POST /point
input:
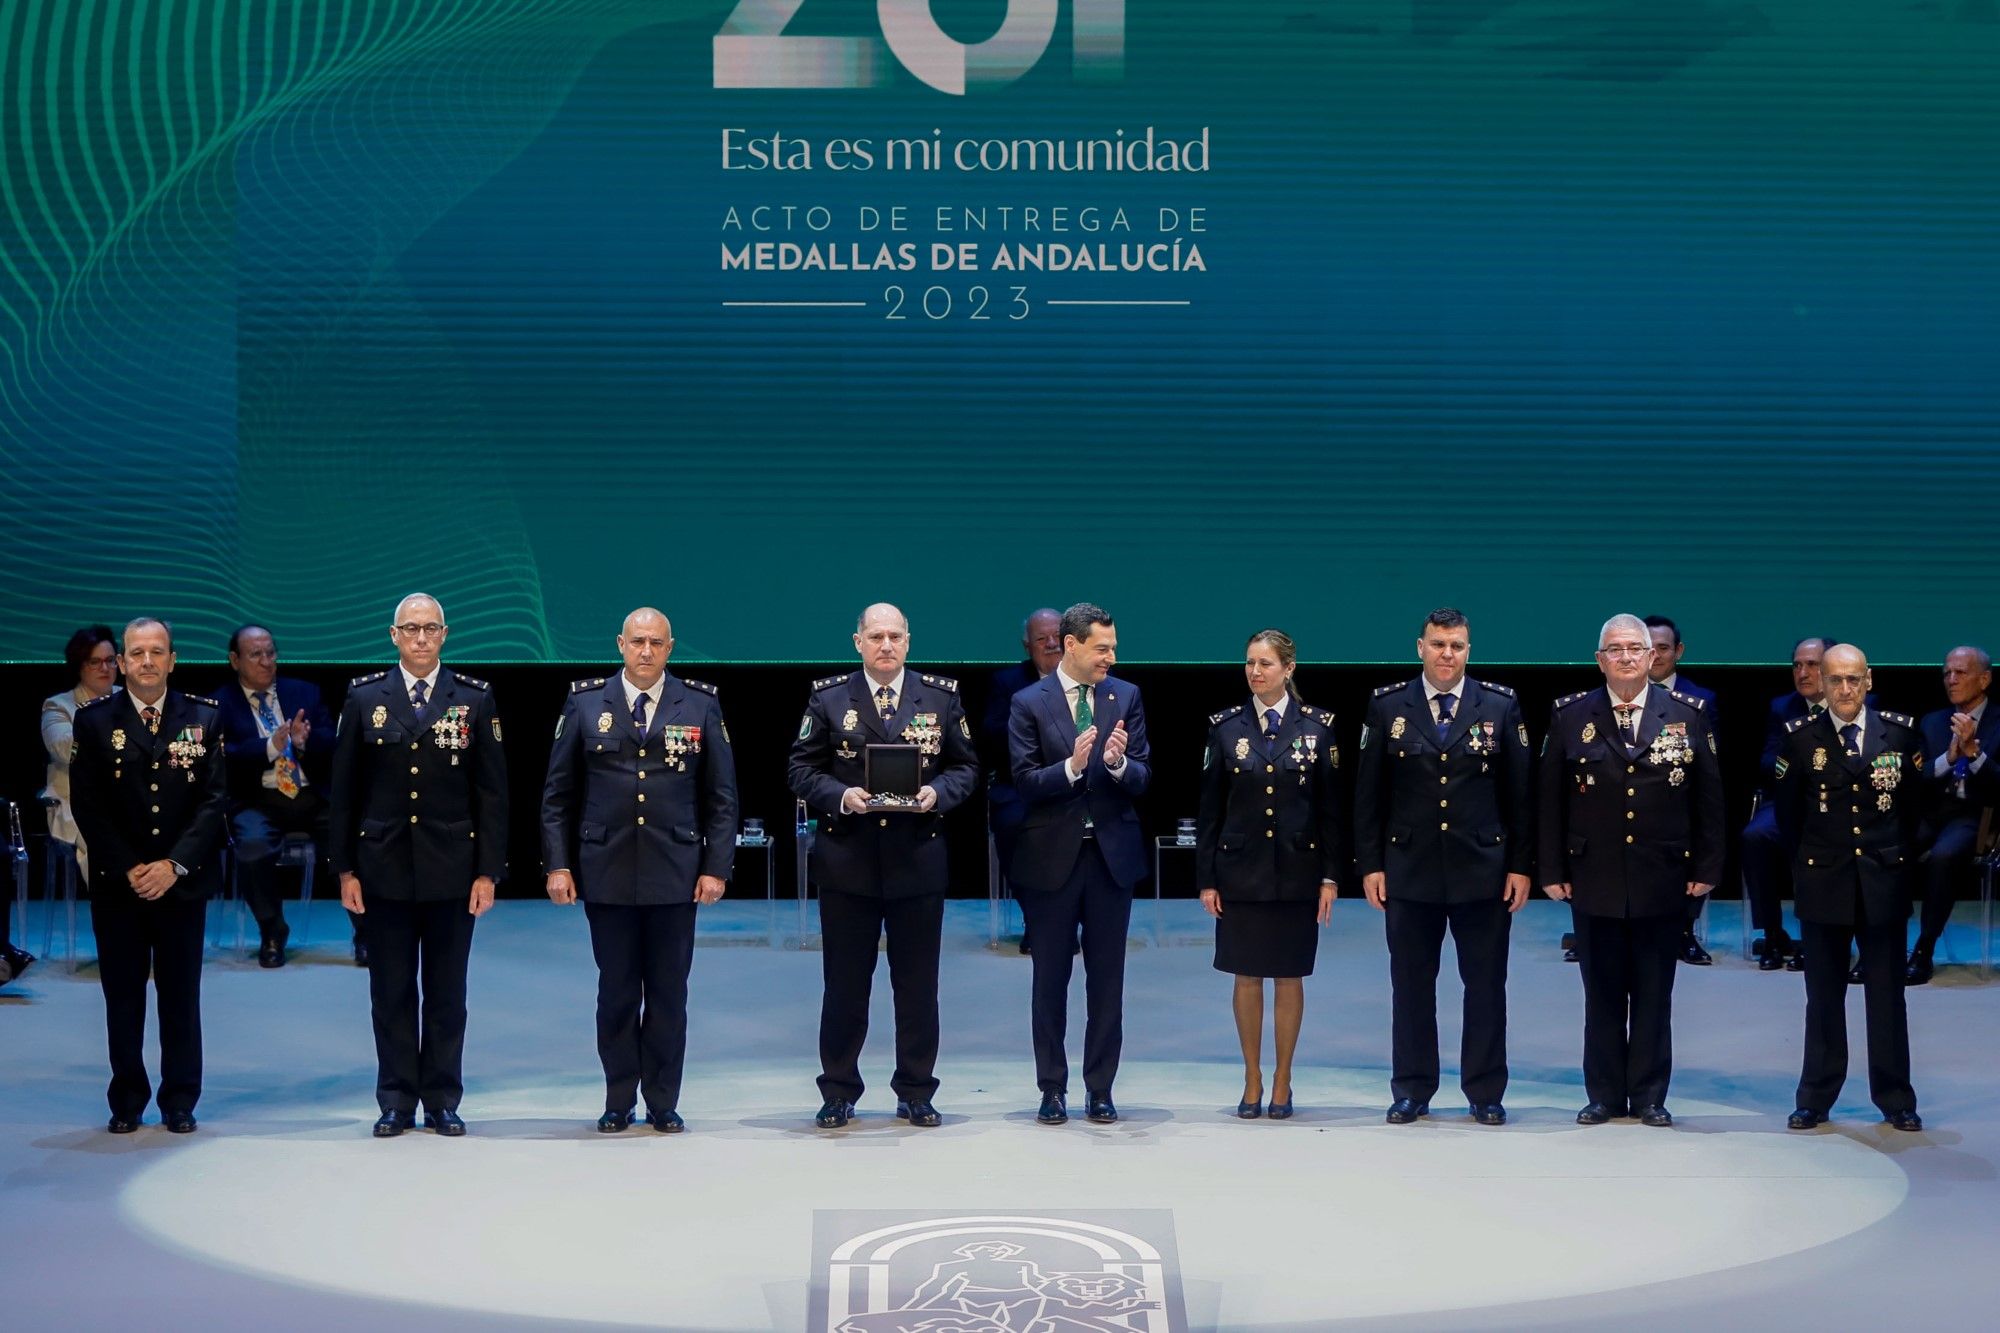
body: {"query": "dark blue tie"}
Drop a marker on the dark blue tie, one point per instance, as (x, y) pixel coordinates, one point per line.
(1270, 727)
(1850, 739)
(417, 692)
(1444, 716)
(639, 702)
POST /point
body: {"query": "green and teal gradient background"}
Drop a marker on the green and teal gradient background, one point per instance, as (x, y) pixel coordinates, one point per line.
(1548, 308)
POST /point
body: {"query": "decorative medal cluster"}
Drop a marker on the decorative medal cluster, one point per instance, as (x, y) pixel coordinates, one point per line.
(923, 733)
(1672, 746)
(1481, 740)
(453, 730)
(679, 742)
(1886, 774)
(185, 749)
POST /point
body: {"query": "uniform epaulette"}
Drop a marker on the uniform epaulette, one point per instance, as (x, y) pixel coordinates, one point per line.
(474, 682)
(828, 682)
(587, 685)
(204, 699)
(701, 685)
(1324, 716)
(1569, 699)
(1900, 719)
(1507, 690)
(368, 679)
(1217, 719)
(1690, 700)
(1796, 723)
(945, 683)
(92, 703)
(1391, 689)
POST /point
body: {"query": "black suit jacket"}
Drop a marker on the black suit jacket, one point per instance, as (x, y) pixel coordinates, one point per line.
(1446, 822)
(892, 855)
(1851, 823)
(1982, 789)
(418, 810)
(244, 747)
(1041, 735)
(1272, 810)
(635, 820)
(140, 797)
(1006, 806)
(1629, 828)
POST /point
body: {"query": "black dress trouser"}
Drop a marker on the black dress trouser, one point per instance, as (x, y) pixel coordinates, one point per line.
(1479, 932)
(1091, 902)
(419, 1053)
(1825, 1066)
(161, 939)
(851, 928)
(643, 957)
(1628, 968)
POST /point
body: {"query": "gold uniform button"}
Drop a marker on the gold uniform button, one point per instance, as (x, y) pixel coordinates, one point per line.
(1630, 769)
(642, 775)
(1628, 837)
(413, 796)
(156, 833)
(1857, 851)
(1810, 861)
(1268, 768)
(1270, 791)
(413, 819)
(1442, 779)
(156, 810)
(1442, 827)
(156, 764)
(1631, 791)
(1269, 833)
(413, 745)
(885, 823)
(1443, 804)
(642, 798)
(642, 820)
(642, 754)
(1857, 830)
(413, 770)
(1269, 812)
(1631, 814)
(156, 786)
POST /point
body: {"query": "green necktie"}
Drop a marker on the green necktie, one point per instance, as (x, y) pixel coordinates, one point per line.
(1082, 709)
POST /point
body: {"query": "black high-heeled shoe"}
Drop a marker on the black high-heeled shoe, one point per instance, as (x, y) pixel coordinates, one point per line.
(1249, 1110)
(1279, 1110)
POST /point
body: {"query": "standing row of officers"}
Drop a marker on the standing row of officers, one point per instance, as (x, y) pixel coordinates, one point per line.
(1455, 819)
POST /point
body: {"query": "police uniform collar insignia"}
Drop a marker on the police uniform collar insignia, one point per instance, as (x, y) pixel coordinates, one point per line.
(585, 686)
(828, 682)
(368, 679)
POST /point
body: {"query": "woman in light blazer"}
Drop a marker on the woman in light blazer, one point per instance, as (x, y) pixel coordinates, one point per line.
(92, 655)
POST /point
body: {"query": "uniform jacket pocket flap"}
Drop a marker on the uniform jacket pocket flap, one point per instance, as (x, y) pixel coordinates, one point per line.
(1490, 836)
(590, 833)
(1231, 844)
(375, 828)
(608, 744)
(686, 835)
(1577, 845)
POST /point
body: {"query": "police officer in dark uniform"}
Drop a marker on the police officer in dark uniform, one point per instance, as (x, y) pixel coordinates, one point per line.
(1270, 851)
(1850, 784)
(1631, 825)
(1443, 836)
(148, 787)
(880, 872)
(418, 823)
(639, 819)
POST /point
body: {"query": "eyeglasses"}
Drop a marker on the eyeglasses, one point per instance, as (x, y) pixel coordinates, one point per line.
(1626, 652)
(1855, 681)
(412, 631)
(102, 663)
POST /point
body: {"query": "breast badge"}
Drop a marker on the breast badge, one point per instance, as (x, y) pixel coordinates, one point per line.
(1589, 733)
(379, 718)
(1819, 758)
(850, 720)
(1242, 747)
(1396, 729)
(118, 738)
(603, 723)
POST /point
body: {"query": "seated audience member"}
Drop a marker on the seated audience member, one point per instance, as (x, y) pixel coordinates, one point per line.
(1958, 744)
(1765, 857)
(1666, 673)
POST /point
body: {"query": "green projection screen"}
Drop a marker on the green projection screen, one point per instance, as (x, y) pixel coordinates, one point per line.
(1219, 314)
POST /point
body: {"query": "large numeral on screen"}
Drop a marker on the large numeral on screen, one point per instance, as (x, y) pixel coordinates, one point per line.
(752, 51)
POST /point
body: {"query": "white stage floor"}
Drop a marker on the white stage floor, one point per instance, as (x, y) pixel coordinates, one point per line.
(282, 1213)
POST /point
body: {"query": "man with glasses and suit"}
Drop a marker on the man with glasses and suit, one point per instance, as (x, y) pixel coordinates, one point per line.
(1631, 828)
(1077, 743)
(418, 832)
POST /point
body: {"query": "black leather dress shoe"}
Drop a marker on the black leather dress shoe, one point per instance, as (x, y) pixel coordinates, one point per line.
(360, 954)
(1919, 970)
(1054, 1111)
(1769, 961)
(1570, 956)
(919, 1113)
(1491, 1113)
(445, 1123)
(1404, 1111)
(15, 961)
(667, 1122)
(1249, 1110)
(271, 953)
(1598, 1113)
(178, 1122)
(1655, 1116)
(1279, 1110)
(834, 1113)
(393, 1123)
(1805, 1118)
(1692, 952)
(1907, 1121)
(614, 1122)
(1796, 962)
(123, 1124)
(1099, 1110)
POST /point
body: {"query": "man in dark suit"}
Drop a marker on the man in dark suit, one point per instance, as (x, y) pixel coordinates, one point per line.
(279, 738)
(418, 833)
(1451, 752)
(880, 872)
(1964, 786)
(1631, 827)
(1666, 673)
(147, 786)
(1849, 786)
(1041, 641)
(639, 820)
(1765, 857)
(1077, 743)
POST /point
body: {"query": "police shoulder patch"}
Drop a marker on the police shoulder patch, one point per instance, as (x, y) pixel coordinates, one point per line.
(587, 684)
(1795, 724)
(945, 683)
(1390, 689)
(1217, 719)
(1690, 700)
(1900, 719)
(1569, 699)
(701, 685)
(1784, 766)
(1507, 690)
(474, 682)
(368, 679)
(828, 682)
